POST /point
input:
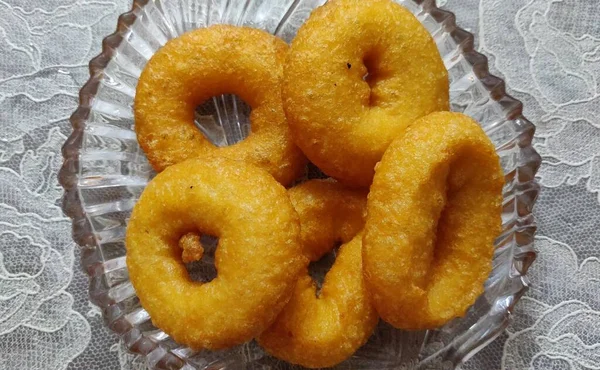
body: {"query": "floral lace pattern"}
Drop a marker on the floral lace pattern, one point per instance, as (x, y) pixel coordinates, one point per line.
(44, 50)
(548, 51)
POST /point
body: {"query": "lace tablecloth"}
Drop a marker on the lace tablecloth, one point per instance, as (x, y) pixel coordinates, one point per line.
(548, 51)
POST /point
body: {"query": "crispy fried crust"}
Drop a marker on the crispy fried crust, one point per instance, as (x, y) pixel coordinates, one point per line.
(329, 213)
(434, 211)
(325, 330)
(208, 62)
(258, 258)
(342, 121)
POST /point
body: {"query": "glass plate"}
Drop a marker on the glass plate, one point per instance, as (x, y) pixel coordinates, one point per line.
(105, 171)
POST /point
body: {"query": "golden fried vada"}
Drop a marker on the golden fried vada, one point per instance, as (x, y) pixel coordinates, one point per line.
(258, 258)
(357, 74)
(322, 330)
(329, 213)
(207, 62)
(433, 213)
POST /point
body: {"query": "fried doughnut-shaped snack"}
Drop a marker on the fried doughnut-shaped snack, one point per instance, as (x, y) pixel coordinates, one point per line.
(357, 74)
(324, 330)
(207, 62)
(434, 211)
(329, 213)
(258, 258)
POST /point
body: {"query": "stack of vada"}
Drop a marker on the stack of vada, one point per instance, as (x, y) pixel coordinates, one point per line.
(410, 208)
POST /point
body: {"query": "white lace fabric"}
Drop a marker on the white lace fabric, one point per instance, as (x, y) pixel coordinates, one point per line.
(548, 52)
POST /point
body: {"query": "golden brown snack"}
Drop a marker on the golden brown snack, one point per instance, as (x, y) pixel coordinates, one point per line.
(434, 211)
(329, 213)
(342, 120)
(258, 258)
(207, 62)
(323, 331)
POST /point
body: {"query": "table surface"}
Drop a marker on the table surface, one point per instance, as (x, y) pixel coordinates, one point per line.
(548, 52)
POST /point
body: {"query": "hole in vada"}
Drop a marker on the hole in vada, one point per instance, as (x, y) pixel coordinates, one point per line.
(314, 172)
(371, 77)
(198, 255)
(311, 172)
(318, 269)
(224, 120)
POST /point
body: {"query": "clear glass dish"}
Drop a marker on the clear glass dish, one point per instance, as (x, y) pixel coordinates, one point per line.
(105, 171)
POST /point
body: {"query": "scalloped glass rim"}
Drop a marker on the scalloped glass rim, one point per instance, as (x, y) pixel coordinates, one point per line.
(95, 149)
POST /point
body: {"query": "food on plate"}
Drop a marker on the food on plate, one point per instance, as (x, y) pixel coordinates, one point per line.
(329, 213)
(322, 331)
(434, 211)
(357, 74)
(203, 63)
(363, 93)
(258, 258)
